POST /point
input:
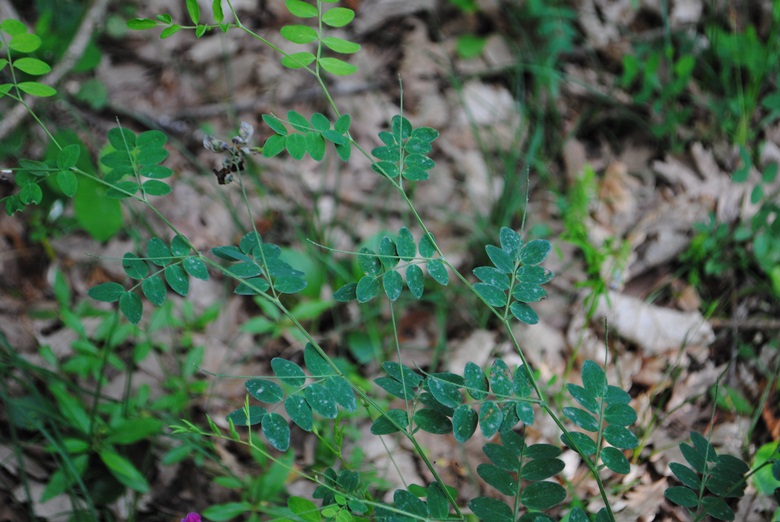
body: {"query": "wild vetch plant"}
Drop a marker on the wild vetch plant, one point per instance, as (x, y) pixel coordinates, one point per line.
(500, 401)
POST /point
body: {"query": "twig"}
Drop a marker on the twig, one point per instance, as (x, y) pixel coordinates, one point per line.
(746, 324)
(94, 14)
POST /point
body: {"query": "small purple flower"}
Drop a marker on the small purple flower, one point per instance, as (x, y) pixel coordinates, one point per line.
(191, 517)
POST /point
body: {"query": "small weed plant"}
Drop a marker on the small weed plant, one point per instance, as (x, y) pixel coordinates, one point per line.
(315, 393)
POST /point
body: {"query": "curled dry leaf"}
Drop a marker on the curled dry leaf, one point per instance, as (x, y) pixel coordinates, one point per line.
(653, 328)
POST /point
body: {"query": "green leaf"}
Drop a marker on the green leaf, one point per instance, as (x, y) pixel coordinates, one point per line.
(425, 134)
(274, 145)
(620, 437)
(401, 127)
(594, 379)
(620, 414)
(106, 292)
(342, 124)
(368, 262)
(298, 121)
(37, 89)
(289, 284)
(393, 284)
(124, 471)
(415, 280)
(464, 423)
(367, 288)
(300, 34)
(276, 124)
(320, 122)
(682, 496)
(445, 392)
(338, 16)
(427, 246)
(500, 377)
(542, 468)
(438, 271)
(196, 268)
(533, 274)
(193, 9)
(490, 418)
(342, 392)
(615, 460)
(417, 146)
(170, 31)
(476, 381)
(140, 24)
(385, 168)
(288, 372)
(491, 510)
(525, 412)
(264, 390)
(134, 267)
(296, 146)
(344, 151)
(534, 252)
(227, 511)
(582, 441)
(252, 286)
(32, 66)
(276, 430)
(500, 259)
(586, 399)
(492, 295)
(419, 161)
(386, 423)
(177, 279)
(321, 400)
(180, 247)
(133, 430)
(498, 478)
(31, 193)
(395, 388)
(432, 421)
(405, 244)
(315, 145)
(492, 276)
(524, 313)
(67, 182)
(315, 363)
(582, 418)
(298, 60)
(438, 506)
(501, 456)
(340, 45)
(389, 154)
(24, 42)
(543, 495)
(299, 411)
(301, 9)
(131, 307)
(154, 187)
(216, 8)
(717, 508)
(408, 503)
(402, 373)
(528, 292)
(304, 508)
(154, 290)
(388, 255)
(346, 293)
(685, 475)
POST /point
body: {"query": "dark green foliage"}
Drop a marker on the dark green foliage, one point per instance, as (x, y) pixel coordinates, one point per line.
(515, 267)
(709, 480)
(606, 411)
